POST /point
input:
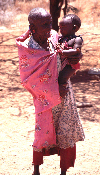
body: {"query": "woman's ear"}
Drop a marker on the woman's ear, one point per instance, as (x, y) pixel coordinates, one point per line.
(32, 29)
(75, 28)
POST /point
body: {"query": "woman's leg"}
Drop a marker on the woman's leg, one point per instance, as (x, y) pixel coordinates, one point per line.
(36, 170)
(63, 172)
(37, 160)
(67, 158)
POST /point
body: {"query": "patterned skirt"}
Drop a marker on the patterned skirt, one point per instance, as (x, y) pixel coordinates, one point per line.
(67, 122)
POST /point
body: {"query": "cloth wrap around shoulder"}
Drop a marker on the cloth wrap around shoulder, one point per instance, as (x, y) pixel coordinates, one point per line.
(38, 72)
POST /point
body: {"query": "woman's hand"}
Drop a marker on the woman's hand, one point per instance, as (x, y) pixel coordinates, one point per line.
(23, 37)
(75, 59)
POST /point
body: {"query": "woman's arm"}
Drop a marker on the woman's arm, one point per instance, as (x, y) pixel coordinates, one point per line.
(75, 58)
(71, 52)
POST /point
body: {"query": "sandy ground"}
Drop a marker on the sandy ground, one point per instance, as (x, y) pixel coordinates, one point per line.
(17, 110)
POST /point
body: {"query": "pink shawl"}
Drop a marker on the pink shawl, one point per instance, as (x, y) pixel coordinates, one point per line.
(38, 72)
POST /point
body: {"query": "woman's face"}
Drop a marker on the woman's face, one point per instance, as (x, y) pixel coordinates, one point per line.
(43, 27)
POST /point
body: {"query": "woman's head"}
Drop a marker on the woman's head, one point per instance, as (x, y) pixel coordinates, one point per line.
(36, 14)
(40, 22)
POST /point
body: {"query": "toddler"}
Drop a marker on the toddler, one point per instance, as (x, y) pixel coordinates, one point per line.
(69, 45)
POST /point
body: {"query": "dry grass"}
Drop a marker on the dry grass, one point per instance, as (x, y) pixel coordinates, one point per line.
(25, 7)
(10, 12)
(87, 11)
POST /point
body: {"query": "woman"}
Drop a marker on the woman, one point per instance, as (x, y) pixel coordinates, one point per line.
(39, 64)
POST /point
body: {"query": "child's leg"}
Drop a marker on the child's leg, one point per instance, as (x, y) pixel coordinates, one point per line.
(65, 74)
(69, 71)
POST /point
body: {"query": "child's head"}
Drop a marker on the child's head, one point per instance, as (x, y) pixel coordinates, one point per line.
(40, 22)
(69, 24)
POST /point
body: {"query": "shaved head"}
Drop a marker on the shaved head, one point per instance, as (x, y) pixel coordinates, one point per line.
(36, 14)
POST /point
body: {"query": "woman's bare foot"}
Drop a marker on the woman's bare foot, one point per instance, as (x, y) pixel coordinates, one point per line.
(63, 173)
(36, 170)
(35, 174)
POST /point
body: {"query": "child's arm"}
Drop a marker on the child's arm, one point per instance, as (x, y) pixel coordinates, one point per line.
(76, 49)
(76, 58)
(78, 43)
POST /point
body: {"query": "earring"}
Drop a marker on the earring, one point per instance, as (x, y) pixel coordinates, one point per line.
(33, 31)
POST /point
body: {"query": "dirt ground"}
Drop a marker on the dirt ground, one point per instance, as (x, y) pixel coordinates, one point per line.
(17, 110)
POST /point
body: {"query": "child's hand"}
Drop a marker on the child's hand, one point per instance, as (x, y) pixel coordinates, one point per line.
(59, 48)
(65, 46)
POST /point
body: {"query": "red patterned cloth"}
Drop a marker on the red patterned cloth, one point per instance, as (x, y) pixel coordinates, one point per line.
(38, 72)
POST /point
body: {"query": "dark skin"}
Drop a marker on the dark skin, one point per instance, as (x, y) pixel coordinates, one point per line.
(41, 32)
(67, 29)
(73, 60)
